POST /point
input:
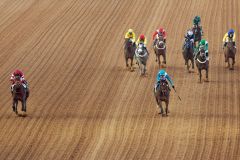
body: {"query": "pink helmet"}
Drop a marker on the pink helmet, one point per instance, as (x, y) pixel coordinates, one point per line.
(142, 37)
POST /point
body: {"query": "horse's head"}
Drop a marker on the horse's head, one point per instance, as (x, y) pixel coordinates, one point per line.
(202, 53)
(140, 49)
(196, 29)
(230, 44)
(164, 87)
(160, 44)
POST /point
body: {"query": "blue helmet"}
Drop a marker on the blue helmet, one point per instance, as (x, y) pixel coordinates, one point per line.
(162, 72)
(231, 31)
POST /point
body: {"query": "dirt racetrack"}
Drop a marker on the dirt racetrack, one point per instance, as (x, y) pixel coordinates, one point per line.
(85, 104)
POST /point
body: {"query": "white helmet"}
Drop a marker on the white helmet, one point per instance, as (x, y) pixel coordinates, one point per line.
(190, 33)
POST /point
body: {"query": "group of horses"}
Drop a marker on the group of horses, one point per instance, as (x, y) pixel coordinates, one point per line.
(190, 53)
(162, 89)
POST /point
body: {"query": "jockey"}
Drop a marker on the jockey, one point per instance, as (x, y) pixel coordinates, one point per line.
(130, 35)
(229, 35)
(159, 32)
(189, 36)
(17, 72)
(163, 76)
(142, 40)
(196, 21)
(203, 43)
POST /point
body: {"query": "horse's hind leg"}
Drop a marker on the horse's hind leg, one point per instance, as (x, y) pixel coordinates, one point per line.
(164, 58)
(192, 60)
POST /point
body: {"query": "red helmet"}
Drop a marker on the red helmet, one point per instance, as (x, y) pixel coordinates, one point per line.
(161, 30)
(142, 37)
(18, 72)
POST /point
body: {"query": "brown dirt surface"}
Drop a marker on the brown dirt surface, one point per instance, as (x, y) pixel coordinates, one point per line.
(85, 104)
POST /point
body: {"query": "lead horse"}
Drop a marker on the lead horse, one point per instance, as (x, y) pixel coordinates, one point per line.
(160, 50)
(229, 54)
(19, 93)
(129, 51)
(162, 94)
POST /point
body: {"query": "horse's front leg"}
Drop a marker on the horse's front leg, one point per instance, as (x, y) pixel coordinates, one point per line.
(161, 108)
(164, 57)
(15, 103)
(207, 75)
(166, 108)
(126, 60)
(200, 75)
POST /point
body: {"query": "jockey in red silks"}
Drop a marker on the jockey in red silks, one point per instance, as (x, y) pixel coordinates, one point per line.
(159, 32)
(17, 72)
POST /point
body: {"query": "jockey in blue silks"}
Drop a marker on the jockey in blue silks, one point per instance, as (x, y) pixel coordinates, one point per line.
(163, 76)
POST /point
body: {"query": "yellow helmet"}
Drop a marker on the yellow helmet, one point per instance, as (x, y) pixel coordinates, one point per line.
(130, 30)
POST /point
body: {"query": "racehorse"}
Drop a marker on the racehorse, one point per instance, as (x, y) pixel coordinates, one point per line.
(202, 63)
(229, 54)
(129, 51)
(197, 34)
(160, 50)
(141, 55)
(162, 94)
(19, 93)
(188, 53)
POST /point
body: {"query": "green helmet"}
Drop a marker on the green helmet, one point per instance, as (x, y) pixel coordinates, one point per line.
(203, 42)
(196, 20)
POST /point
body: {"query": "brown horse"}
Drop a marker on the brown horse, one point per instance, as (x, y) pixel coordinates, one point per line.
(229, 54)
(19, 93)
(162, 94)
(160, 50)
(129, 51)
(202, 63)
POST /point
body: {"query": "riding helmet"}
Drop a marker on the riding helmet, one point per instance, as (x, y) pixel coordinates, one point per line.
(130, 31)
(162, 72)
(231, 31)
(203, 42)
(142, 37)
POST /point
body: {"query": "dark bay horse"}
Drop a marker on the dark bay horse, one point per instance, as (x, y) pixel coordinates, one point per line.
(19, 93)
(188, 53)
(229, 54)
(129, 51)
(160, 50)
(162, 94)
(202, 63)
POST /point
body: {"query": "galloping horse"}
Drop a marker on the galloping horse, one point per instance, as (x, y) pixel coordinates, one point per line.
(229, 54)
(162, 94)
(160, 50)
(197, 34)
(188, 53)
(129, 51)
(202, 63)
(19, 93)
(141, 55)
